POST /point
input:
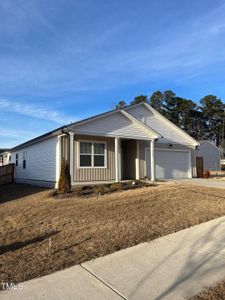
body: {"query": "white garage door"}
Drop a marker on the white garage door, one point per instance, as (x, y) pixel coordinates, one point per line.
(170, 164)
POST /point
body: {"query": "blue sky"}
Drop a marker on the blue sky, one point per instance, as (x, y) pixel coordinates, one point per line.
(61, 61)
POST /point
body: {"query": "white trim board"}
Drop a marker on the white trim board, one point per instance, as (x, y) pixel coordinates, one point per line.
(111, 135)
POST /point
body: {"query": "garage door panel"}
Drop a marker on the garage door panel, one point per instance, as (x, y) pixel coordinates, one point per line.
(169, 164)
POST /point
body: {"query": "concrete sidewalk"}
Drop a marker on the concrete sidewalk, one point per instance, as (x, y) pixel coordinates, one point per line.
(175, 267)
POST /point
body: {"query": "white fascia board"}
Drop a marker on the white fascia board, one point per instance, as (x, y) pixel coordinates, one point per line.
(112, 135)
(187, 136)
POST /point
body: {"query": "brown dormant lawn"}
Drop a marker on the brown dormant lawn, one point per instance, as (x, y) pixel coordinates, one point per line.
(84, 228)
(214, 293)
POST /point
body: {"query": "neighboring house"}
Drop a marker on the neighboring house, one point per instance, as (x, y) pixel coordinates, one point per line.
(222, 162)
(211, 155)
(129, 143)
(4, 157)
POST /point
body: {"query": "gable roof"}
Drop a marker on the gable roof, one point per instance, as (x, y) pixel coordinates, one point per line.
(123, 111)
(40, 138)
(63, 129)
(114, 123)
(209, 142)
(171, 123)
(156, 120)
(141, 123)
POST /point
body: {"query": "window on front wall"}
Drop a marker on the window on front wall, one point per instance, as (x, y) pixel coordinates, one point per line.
(99, 155)
(92, 154)
(17, 159)
(24, 160)
(85, 154)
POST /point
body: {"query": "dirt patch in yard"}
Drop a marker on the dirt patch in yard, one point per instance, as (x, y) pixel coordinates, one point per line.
(81, 229)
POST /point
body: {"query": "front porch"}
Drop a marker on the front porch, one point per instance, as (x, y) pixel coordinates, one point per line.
(121, 156)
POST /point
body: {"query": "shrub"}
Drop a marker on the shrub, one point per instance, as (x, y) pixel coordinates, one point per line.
(64, 185)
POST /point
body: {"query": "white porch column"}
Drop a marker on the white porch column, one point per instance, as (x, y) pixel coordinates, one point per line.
(71, 154)
(152, 159)
(117, 160)
(137, 161)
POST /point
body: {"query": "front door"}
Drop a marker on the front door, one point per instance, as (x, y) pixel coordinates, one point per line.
(128, 148)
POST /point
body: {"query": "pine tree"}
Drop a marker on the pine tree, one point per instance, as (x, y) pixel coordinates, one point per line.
(213, 112)
(121, 104)
(139, 99)
(156, 101)
(64, 185)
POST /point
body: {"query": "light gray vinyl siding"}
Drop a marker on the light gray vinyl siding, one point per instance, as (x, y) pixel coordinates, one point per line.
(211, 156)
(144, 144)
(40, 162)
(113, 125)
(159, 124)
(95, 174)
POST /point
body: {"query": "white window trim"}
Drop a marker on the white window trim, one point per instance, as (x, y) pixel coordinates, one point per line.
(92, 154)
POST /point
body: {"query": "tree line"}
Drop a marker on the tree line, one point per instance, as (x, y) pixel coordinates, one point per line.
(203, 121)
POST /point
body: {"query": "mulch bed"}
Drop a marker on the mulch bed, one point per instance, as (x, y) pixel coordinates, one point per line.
(101, 189)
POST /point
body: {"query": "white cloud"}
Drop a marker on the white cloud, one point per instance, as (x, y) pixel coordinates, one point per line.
(34, 111)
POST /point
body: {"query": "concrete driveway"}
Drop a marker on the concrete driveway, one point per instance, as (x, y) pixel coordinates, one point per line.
(176, 266)
(203, 182)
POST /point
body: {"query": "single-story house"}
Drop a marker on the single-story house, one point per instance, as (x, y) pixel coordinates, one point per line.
(211, 155)
(130, 143)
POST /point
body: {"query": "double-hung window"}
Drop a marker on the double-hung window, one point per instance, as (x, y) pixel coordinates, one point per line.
(99, 154)
(85, 154)
(92, 155)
